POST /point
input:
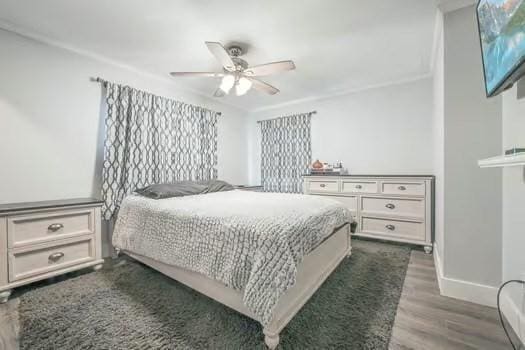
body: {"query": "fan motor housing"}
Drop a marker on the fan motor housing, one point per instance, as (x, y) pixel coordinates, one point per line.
(236, 51)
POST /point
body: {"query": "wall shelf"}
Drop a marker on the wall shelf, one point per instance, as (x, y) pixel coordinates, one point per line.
(502, 161)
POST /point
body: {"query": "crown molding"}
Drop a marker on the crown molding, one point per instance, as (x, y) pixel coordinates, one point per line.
(343, 92)
(453, 5)
(32, 35)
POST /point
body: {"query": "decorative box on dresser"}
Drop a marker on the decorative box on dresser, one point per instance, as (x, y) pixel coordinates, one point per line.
(44, 239)
(395, 208)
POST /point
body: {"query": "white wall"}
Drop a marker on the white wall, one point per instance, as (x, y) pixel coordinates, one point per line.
(472, 130)
(51, 126)
(514, 211)
(384, 130)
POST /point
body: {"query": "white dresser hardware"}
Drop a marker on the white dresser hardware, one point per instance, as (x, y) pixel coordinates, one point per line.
(396, 208)
(45, 239)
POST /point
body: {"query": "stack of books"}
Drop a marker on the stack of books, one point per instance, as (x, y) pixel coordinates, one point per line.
(328, 171)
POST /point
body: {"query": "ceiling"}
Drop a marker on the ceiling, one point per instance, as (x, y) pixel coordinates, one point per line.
(337, 45)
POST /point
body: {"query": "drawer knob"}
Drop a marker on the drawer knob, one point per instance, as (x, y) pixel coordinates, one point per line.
(55, 227)
(56, 256)
(390, 206)
(322, 185)
(358, 187)
(391, 227)
(402, 188)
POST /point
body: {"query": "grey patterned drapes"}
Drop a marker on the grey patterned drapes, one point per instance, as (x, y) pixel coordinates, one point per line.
(286, 152)
(152, 139)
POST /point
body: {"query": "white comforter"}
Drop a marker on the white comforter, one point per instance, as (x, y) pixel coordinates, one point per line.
(252, 242)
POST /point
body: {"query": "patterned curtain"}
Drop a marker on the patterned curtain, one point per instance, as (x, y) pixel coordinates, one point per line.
(152, 139)
(286, 152)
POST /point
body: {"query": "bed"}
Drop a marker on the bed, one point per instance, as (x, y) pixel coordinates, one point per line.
(261, 254)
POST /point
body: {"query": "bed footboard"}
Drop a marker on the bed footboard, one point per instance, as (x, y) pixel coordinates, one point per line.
(312, 272)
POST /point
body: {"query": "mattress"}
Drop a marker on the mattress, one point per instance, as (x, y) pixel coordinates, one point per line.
(250, 241)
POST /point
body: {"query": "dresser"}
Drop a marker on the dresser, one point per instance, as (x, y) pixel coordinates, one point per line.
(254, 188)
(44, 239)
(394, 208)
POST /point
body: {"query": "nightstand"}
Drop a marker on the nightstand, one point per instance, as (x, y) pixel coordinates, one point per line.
(39, 240)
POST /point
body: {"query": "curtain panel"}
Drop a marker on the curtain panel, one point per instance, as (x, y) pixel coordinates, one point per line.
(152, 139)
(286, 152)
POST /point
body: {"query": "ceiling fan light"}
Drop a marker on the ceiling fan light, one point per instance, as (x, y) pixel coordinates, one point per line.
(227, 83)
(240, 91)
(243, 86)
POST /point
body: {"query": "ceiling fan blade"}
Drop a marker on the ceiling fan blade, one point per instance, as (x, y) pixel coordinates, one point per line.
(269, 68)
(219, 93)
(262, 86)
(197, 74)
(221, 54)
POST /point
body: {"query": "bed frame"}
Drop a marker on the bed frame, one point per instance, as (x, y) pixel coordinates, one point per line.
(311, 273)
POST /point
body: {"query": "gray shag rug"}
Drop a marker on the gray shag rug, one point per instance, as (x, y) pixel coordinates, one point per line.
(130, 306)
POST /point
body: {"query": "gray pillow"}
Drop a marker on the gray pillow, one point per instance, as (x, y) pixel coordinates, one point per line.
(183, 188)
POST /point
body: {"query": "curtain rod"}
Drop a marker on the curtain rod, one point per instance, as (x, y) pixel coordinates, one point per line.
(104, 82)
(98, 80)
(312, 112)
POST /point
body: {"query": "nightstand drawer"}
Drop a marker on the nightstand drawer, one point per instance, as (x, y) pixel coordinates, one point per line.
(48, 226)
(323, 186)
(35, 260)
(413, 208)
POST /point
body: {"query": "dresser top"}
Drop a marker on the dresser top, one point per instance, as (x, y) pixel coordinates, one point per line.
(365, 175)
(60, 203)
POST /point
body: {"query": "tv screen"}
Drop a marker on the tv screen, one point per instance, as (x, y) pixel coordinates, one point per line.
(502, 33)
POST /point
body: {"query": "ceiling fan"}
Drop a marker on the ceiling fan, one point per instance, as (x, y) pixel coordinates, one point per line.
(236, 72)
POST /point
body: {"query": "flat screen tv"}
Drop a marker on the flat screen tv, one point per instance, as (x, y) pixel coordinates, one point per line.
(501, 26)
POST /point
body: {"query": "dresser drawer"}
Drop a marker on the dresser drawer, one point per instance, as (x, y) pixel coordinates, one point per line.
(395, 228)
(350, 202)
(394, 206)
(403, 188)
(41, 227)
(359, 187)
(33, 261)
(330, 186)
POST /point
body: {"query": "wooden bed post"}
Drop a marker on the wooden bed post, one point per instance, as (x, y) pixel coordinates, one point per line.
(271, 338)
(349, 230)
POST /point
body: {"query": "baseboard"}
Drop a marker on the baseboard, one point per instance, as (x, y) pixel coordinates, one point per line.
(463, 290)
(437, 265)
(513, 315)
